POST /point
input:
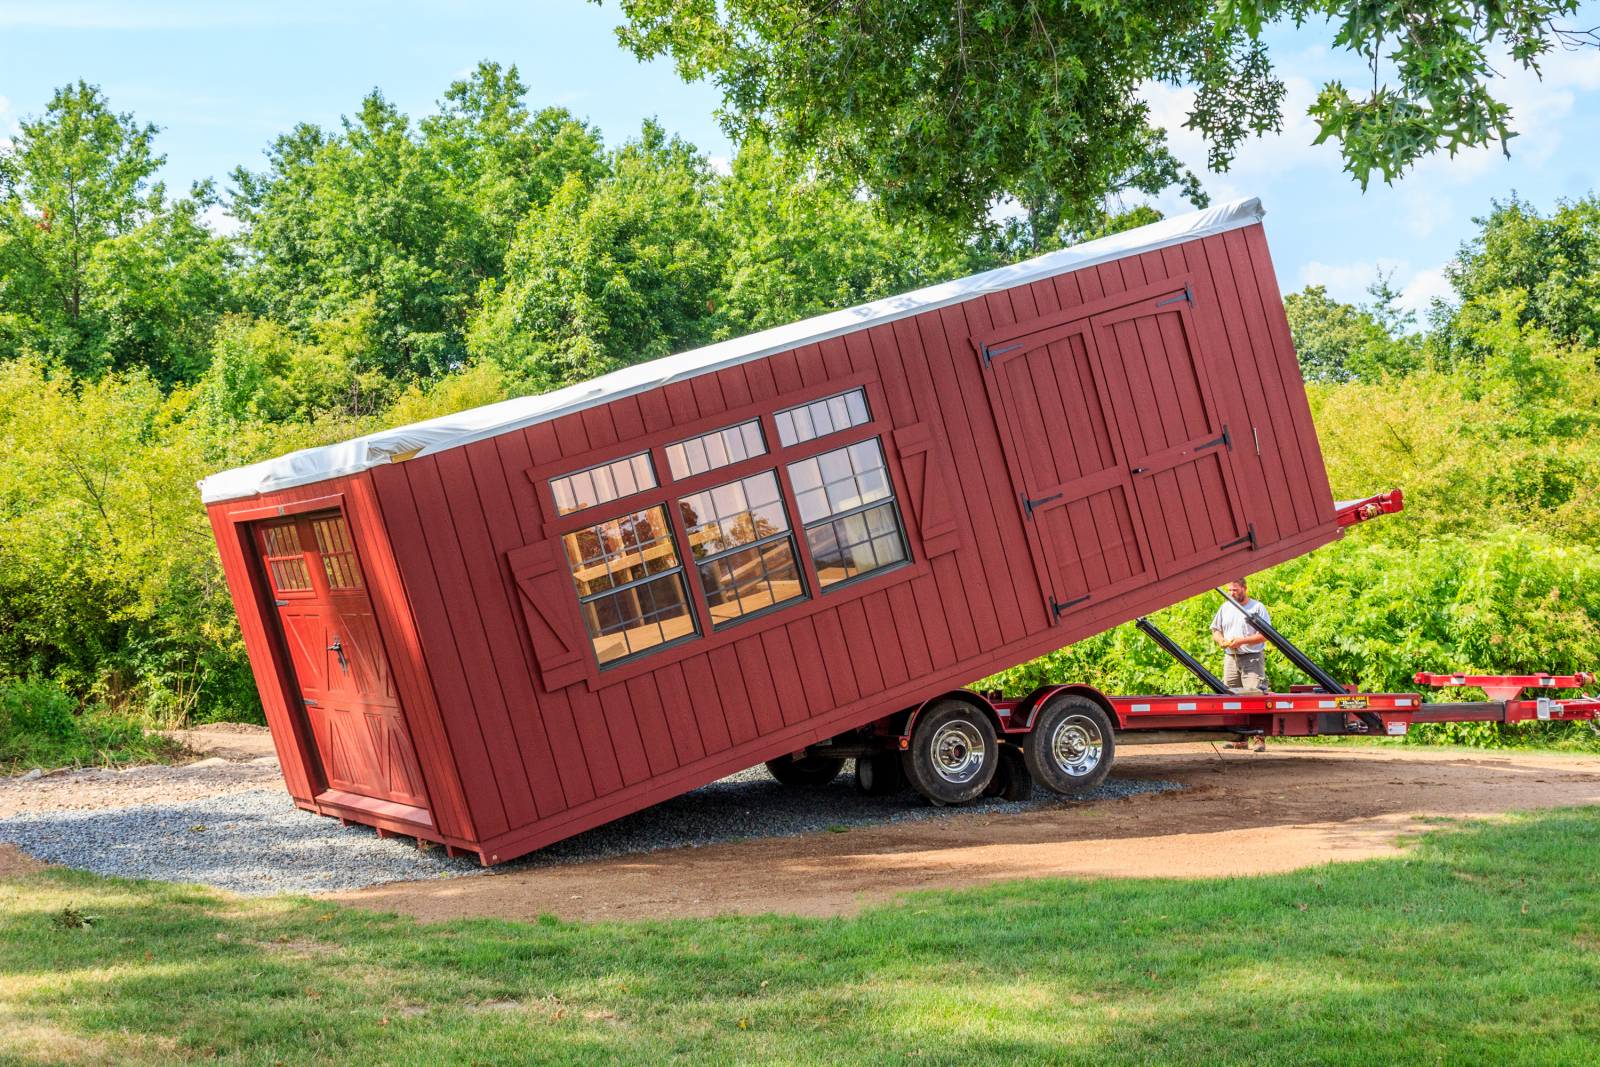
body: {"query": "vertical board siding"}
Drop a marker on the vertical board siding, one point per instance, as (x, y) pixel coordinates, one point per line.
(525, 756)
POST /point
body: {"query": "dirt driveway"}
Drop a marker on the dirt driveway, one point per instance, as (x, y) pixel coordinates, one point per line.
(1239, 813)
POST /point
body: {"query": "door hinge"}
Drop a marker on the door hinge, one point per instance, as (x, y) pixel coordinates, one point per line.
(1187, 297)
(308, 702)
(1217, 442)
(990, 353)
(1029, 505)
(1248, 539)
(280, 603)
(1058, 608)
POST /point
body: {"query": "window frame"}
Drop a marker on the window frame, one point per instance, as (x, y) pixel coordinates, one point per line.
(789, 533)
(661, 426)
(681, 571)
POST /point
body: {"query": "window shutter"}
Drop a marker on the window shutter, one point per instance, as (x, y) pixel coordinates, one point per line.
(926, 466)
(559, 643)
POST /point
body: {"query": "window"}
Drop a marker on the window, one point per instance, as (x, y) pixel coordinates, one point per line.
(338, 555)
(847, 506)
(286, 563)
(740, 539)
(599, 485)
(822, 417)
(630, 584)
(717, 449)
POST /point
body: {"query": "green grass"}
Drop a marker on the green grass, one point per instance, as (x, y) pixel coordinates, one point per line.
(41, 725)
(1482, 945)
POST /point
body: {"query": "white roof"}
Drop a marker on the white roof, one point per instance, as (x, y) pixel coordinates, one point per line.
(464, 427)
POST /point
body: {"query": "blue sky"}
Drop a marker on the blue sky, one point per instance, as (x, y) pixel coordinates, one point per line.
(222, 79)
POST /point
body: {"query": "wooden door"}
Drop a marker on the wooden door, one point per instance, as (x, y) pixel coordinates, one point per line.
(1073, 478)
(1176, 444)
(331, 637)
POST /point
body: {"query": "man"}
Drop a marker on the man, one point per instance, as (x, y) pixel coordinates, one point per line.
(1244, 666)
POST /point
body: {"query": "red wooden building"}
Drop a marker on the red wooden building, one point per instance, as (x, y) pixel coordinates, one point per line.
(500, 628)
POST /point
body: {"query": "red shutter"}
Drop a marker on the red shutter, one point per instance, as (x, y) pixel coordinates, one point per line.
(559, 643)
(927, 472)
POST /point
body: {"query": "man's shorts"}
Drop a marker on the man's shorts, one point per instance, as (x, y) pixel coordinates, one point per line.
(1245, 672)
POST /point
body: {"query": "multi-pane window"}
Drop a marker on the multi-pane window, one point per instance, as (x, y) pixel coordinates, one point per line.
(739, 536)
(716, 449)
(821, 417)
(846, 503)
(602, 484)
(338, 555)
(630, 584)
(286, 563)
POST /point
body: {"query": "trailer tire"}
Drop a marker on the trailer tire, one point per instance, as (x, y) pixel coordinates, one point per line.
(1071, 746)
(953, 753)
(880, 775)
(810, 771)
(1012, 780)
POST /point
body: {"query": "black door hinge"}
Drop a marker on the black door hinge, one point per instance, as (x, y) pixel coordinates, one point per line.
(1058, 608)
(1187, 297)
(990, 353)
(1029, 505)
(1217, 442)
(1248, 539)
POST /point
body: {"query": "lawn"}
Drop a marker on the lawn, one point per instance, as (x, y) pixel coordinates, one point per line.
(1482, 945)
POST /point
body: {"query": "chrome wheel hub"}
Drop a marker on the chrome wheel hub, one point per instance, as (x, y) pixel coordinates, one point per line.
(958, 752)
(1076, 746)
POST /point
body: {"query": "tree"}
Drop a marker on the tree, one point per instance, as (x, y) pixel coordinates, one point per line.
(947, 108)
(1549, 263)
(1339, 342)
(799, 246)
(98, 270)
(617, 272)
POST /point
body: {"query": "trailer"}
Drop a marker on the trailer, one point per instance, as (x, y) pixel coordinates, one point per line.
(499, 628)
(1064, 736)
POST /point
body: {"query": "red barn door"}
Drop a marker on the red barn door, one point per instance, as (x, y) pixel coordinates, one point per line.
(330, 633)
(1119, 458)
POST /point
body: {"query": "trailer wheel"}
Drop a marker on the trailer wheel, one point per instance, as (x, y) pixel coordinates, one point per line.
(953, 753)
(810, 771)
(880, 775)
(1071, 747)
(1012, 780)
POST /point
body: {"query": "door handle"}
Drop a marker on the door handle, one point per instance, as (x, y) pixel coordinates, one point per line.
(338, 649)
(1139, 470)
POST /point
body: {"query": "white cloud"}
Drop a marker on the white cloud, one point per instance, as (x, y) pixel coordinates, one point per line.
(1424, 287)
(720, 164)
(216, 219)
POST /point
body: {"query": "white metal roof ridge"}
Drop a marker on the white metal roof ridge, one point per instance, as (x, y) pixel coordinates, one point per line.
(464, 427)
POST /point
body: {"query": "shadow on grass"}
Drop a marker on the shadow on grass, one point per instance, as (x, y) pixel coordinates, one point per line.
(1480, 946)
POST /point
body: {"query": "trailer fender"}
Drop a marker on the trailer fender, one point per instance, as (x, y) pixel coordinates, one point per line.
(966, 696)
(1027, 708)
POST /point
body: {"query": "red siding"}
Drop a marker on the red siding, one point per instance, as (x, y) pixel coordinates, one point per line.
(528, 763)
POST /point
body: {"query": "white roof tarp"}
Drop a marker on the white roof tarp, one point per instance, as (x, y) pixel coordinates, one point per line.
(464, 427)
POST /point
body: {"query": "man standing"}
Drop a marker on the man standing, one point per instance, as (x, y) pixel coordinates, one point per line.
(1244, 666)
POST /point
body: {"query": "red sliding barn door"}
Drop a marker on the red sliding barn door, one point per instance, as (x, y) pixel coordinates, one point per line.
(1116, 451)
(1177, 445)
(331, 637)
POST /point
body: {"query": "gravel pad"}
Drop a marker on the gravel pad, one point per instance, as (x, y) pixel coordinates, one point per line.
(259, 843)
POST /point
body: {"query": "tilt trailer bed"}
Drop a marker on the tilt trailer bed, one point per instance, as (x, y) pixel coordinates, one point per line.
(1064, 735)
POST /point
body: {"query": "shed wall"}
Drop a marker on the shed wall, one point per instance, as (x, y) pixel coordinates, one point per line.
(538, 761)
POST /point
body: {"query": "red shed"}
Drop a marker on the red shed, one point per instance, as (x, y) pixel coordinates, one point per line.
(502, 627)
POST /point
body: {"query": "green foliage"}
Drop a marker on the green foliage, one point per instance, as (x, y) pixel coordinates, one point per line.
(98, 270)
(1552, 262)
(948, 109)
(42, 726)
(1341, 342)
(609, 272)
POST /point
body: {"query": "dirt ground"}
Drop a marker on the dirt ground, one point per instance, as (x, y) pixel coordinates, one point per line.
(1239, 813)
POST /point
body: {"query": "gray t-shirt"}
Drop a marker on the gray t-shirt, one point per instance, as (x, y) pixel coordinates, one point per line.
(1232, 623)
